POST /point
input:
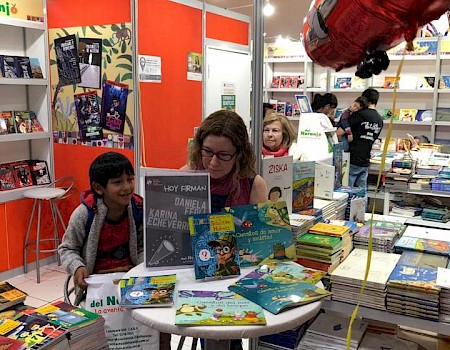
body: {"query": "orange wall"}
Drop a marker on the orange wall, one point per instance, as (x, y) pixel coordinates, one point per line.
(169, 111)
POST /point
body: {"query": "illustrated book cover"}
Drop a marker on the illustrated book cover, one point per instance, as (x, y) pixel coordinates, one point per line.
(422, 245)
(414, 277)
(36, 69)
(35, 124)
(39, 172)
(8, 120)
(10, 295)
(277, 172)
(302, 186)
(390, 82)
(426, 83)
(325, 177)
(280, 286)
(24, 67)
(303, 103)
(216, 308)
(263, 233)
(147, 291)
(407, 114)
(170, 197)
(444, 82)
(421, 259)
(9, 67)
(343, 83)
(90, 58)
(65, 315)
(11, 344)
(7, 179)
(214, 245)
(330, 229)
(88, 116)
(22, 174)
(22, 121)
(114, 105)
(67, 60)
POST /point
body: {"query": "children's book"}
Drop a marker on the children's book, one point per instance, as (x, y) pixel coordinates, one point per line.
(114, 106)
(444, 83)
(414, 277)
(296, 110)
(425, 83)
(90, 57)
(422, 245)
(421, 259)
(325, 242)
(288, 112)
(424, 115)
(65, 315)
(22, 121)
(7, 179)
(263, 233)
(36, 69)
(285, 82)
(358, 83)
(214, 245)
(297, 82)
(170, 197)
(10, 295)
(407, 114)
(8, 120)
(303, 102)
(276, 81)
(390, 82)
(281, 107)
(35, 124)
(11, 344)
(216, 308)
(330, 229)
(88, 116)
(303, 186)
(277, 172)
(343, 83)
(280, 286)
(147, 291)
(324, 180)
(67, 60)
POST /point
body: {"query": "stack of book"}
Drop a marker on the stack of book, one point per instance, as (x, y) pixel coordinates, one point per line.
(340, 199)
(397, 179)
(436, 214)
(431, 170)
(384, 235)
(373, 341)
(440, 184)
(10, 295)
(331, 328)
(347, 278)
(86, 329)
(424, 239)
(340, 231)
(356, 203)
(406, 211)
(412, 291)
(420, 182)
(353, 226)
(300, 224)
(328, 208)
(443, 281)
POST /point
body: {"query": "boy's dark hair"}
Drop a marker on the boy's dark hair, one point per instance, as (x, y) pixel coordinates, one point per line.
(372, 95)
(266, 106)
(108, 166)
(363, 102)
(320, 101)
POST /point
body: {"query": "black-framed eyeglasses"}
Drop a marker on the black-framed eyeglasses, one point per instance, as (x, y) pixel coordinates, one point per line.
(222, 156)
(222, 250)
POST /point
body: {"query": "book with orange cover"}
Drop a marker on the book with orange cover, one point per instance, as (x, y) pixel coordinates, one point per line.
(329, 229)
(390, 82)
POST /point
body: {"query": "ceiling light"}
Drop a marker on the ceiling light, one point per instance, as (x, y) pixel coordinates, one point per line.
(268, 9)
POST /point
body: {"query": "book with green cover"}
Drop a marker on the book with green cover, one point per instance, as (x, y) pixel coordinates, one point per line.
(279, 286)
(318, 240)
(147, 291)
(216, 308)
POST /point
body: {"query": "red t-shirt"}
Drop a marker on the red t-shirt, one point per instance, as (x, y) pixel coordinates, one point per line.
(110, 254)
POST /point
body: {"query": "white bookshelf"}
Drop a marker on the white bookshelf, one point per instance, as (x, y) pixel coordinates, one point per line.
(26, 38)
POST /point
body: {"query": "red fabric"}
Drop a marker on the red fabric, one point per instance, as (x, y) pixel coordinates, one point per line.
(111, 237)
(280, 153)
(236, 195)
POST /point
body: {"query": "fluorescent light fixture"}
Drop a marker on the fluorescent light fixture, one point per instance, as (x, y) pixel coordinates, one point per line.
(268, 9)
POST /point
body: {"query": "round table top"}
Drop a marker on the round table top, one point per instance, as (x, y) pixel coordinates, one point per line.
(163, 318)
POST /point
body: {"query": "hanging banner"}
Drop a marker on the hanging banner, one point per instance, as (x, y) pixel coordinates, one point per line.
(30, 10)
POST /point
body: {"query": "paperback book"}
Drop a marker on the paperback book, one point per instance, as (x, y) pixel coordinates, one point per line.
(303, 186)
(147, 291)
(407, 114)
(24, 67)
(9, 66)
(216, 308)
(214, 245)
(22, 122)
(170, 197)
(7, 179)
(425, 83)
(390, 82)
(263, 233)
(414, 278)
(67, 60)
(277, 172)
(10, 295)
(36, 69)
(90, 56)
(88, 116)
(343, 83)
(8, 122)
(114, 105)
(280, 286)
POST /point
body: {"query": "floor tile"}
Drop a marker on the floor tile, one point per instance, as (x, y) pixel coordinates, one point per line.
(34, 302)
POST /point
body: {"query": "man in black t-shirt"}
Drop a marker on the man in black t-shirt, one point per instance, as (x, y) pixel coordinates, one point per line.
(366, 126)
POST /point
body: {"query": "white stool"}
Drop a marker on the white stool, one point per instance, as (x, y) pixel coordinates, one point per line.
(50, 194)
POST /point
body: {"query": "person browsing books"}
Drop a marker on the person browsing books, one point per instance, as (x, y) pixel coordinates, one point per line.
(360, 103)
(278, 137)
(366, 126)
(105, 231)
(221, 146)
(325, 104)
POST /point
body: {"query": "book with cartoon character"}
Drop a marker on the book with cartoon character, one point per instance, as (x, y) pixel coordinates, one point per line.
(279, 286)
(263, 233)
(214, 247)
(147, 291)
(303, 186)
(216, 308)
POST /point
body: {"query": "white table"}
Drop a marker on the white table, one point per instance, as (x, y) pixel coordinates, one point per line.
(216, 337)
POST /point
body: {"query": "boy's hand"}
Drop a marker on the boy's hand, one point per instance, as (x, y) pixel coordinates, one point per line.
(350, 138)
(78, 278)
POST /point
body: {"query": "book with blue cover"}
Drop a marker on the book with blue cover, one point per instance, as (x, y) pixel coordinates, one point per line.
(216, 308)
(303, 186)
(263, 233)
(280, 286)
(214, 247)
(422, 245)
(414, 277)
(147, 291)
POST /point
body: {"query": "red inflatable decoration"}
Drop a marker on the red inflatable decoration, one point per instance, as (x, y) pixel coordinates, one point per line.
(344, 33)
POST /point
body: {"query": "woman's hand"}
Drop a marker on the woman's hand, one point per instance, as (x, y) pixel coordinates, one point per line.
(79, 277)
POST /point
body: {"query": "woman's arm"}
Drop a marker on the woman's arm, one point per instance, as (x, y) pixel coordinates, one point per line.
(259, 191)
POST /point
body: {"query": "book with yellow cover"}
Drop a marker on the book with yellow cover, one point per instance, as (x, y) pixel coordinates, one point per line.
(407, 114)
(329, 229)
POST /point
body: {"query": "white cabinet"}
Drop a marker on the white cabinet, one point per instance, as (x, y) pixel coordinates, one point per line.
(26, 38)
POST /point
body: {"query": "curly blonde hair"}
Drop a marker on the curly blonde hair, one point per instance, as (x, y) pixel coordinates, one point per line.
(289, 135)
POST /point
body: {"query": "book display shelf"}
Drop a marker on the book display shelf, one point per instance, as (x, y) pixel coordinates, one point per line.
(423, 94)
(26, 38)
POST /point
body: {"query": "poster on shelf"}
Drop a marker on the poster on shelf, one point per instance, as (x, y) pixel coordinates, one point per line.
(67, 60)
(90, 53)
(114, 105)
(88, 116)
(278, 174)
(170, 197)
(194, 66)
(149, 69)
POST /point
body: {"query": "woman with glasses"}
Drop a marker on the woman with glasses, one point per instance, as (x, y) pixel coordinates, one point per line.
(278, 137)
(221, 146)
